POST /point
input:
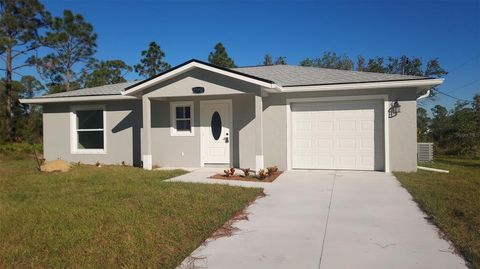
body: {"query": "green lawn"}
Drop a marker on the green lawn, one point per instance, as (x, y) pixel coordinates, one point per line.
(107, 217)
(452, 201)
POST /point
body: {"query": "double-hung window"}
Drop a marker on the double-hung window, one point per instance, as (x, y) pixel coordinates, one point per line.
(88, 129)
(181, 118)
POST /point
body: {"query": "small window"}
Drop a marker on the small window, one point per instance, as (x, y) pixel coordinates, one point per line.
(216, 125)
(88, 132)
(182, 118)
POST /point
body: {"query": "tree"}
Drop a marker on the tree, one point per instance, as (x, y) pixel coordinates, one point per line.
(404, 65)
(375, 65)
(26, 121)
(329, 60)
(423, 122)
(441, 127)
(466, 130)
(281, 60)
(219, 57)
(20, 22)
(434, 69)
(306, 62)
(360, 63)
(267, 60)
(100, 73)
(73, 41)
(152, 62)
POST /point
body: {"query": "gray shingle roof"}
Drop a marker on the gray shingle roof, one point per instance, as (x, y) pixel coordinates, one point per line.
(112, 89)
(282, 75)
(289, 75)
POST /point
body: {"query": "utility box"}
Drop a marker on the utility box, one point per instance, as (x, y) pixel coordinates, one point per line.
(425, 152)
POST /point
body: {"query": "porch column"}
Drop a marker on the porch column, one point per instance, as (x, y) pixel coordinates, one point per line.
(147, 134)
(258, 133)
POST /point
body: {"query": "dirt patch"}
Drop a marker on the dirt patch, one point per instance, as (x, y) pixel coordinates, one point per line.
(55, 166)
(228, 229)
(269, 178)
(194, 262)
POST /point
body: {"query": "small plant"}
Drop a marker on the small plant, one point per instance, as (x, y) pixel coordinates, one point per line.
(246, 172)
(272, 170)
(262, 174)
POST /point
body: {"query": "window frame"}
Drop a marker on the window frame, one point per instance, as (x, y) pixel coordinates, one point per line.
(173, 118)
(74, 130)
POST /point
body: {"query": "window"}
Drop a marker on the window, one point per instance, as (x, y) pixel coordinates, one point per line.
(181, 118)
(88, 129)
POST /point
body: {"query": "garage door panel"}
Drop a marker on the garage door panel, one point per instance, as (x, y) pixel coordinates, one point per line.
(337, 135)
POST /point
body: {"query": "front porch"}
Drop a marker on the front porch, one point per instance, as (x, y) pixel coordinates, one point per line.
(198, 131)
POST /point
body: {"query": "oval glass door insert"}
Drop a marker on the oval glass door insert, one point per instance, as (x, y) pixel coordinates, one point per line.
(216, 125)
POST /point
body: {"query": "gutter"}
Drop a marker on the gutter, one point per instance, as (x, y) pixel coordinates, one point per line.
(367, 85)
(46, 100)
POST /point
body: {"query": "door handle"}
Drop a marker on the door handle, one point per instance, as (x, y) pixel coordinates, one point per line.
(226, 139)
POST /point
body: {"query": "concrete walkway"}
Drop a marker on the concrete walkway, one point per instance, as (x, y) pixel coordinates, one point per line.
(327, 219)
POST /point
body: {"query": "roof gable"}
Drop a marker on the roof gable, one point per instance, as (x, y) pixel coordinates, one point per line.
(189, 65)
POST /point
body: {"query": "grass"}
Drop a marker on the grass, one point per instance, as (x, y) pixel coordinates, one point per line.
(106, 217)
(452, 201)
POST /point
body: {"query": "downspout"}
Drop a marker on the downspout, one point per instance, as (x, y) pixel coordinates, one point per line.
(427, 94)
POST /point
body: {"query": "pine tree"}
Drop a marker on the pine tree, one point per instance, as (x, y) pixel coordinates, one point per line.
(219, 57)
(152, 62)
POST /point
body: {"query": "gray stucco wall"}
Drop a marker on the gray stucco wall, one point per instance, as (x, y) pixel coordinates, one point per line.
(184, 151)
(403, 153)
(123, 124)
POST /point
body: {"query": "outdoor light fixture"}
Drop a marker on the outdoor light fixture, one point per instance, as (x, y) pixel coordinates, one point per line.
(394, 109)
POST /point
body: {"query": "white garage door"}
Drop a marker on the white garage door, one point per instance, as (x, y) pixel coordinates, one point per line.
(338, 135)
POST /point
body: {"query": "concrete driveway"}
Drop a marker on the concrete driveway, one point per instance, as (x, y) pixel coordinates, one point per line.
(328, 219)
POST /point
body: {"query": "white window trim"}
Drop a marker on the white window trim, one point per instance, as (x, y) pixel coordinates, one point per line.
(74, 134)
(173, 118)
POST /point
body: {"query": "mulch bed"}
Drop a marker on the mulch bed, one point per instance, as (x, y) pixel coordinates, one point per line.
(270, 178)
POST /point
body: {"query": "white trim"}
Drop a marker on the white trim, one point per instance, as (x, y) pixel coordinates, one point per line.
(147, 162)
(74, 131)
(259, 164)
(45, 100)
(190, 66)
(231, 135)
(386, 131)
(368, 85)
(173, 118)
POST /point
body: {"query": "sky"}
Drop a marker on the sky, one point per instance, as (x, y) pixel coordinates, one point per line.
(449, 30)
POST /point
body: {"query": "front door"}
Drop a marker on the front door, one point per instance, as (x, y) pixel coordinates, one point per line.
(216, 127)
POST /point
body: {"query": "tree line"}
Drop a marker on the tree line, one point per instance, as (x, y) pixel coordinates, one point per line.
(455, 131)
(62, 51)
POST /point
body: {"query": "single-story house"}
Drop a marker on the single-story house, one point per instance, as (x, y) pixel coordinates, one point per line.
(197, 114)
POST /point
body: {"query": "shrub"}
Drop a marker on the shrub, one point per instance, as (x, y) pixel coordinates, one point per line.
(19, 149)
(272, 169)
(262, 174)
(246, 172)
